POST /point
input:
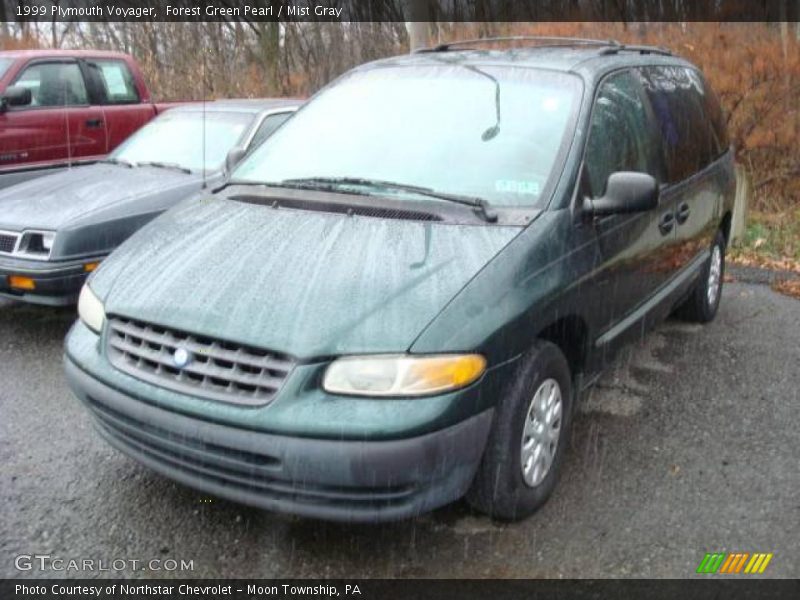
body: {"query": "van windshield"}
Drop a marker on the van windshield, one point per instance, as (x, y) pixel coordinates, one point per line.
(489, 132)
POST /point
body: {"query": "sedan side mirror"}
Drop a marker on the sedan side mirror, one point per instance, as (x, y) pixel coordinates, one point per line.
(626, 192)
(234, 156)
(16, 95)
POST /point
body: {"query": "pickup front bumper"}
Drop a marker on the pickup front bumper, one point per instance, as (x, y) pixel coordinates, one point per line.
(54, 283)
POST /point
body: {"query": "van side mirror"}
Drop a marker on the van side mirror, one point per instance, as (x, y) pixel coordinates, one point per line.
(234, 156)
(626, 192)
(15, 95)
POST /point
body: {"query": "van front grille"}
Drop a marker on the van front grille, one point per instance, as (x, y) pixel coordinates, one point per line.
(196, 365)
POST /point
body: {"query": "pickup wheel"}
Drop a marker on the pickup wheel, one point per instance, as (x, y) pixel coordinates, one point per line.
(525, 450)
(701, 306)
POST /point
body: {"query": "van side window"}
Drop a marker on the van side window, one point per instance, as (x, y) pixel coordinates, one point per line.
(621, 136)
(676, 95)
(112, 81)
(54, 84)
(716, 119)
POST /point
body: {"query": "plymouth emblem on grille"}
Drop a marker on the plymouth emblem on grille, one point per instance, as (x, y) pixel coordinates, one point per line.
(181, 357)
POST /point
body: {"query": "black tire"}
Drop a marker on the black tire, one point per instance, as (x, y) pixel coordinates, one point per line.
(698, 307)
(499, 488)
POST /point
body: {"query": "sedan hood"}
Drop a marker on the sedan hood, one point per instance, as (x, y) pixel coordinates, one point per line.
(305, 283)
(64, 199)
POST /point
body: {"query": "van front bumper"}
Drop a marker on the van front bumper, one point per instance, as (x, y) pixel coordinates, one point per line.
(55, 283)
(342, 480)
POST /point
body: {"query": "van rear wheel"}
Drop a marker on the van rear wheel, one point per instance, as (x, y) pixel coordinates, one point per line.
(701, 306)
(525, 450)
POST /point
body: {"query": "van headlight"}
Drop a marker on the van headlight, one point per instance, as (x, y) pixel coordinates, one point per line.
(402, 375)
(90, 309)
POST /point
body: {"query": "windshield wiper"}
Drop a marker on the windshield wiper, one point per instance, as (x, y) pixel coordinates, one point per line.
(117, 161)
(273, 184)
(163, 165)
(480, 205)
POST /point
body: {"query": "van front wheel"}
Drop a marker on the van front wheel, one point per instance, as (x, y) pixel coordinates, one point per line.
(525, 450)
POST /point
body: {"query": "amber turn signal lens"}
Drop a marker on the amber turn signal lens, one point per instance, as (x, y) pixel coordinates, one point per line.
(21, 283)
(89, 267)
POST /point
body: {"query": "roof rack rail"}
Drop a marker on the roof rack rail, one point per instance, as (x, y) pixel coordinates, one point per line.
(639, 49)
(543, 41)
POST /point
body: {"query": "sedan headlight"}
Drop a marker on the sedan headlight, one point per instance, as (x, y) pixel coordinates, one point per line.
(90, 309)
(37, 244)
(402, 375)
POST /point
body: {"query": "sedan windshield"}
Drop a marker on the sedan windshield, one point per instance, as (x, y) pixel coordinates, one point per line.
(489, 133)
(187, 139)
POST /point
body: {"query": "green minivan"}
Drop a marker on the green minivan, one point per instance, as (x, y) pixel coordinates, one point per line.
(399, 299)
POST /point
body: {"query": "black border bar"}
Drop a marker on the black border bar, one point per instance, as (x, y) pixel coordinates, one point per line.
(403, 10)
(729, 588)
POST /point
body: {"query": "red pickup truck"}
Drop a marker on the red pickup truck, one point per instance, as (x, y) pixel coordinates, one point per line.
(63, 107)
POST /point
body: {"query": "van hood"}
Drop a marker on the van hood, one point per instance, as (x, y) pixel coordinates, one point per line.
(53, 202)
(305, 283)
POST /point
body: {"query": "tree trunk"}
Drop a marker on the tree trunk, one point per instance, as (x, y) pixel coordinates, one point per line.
(419, 23)
(269, 41)
(418, 35)
(4, 33)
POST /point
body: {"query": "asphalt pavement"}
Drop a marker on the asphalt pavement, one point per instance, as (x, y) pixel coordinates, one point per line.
(689, 445)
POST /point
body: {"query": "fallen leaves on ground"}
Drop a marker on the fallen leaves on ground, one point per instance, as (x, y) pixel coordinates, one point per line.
(789, 287)
(752, 259)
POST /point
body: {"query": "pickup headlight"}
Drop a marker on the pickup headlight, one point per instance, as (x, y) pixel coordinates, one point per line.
(90, 309)
(37, 244)
(402, 375)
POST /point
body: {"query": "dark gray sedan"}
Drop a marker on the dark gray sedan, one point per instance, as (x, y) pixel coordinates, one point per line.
(55, 230)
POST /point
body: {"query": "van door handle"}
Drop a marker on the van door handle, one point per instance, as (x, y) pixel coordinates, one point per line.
(94, 122)
(666, 223)
(683, 213)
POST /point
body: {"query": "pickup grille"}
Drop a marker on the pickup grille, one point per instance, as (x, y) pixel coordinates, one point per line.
(8, 242)
(215, 369)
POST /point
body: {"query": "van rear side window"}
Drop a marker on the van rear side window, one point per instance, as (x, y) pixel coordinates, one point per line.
(676, 95)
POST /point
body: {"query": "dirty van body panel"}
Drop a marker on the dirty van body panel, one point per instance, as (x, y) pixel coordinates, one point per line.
(705, 198)
(355, 285)
(551, 271)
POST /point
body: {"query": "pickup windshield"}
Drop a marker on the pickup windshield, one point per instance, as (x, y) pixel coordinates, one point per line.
(486, 132)
(187, 139)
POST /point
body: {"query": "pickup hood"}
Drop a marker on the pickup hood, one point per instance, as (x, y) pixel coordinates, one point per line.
(89, 194)
(305, 283)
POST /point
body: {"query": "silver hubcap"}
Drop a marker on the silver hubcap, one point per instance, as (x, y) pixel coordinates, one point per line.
(541, 431)
(714, 275)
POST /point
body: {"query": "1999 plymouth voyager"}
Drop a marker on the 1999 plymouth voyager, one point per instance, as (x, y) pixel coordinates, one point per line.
(397, 301)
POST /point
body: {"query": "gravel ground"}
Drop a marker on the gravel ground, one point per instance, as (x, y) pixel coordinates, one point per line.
(690, 445)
